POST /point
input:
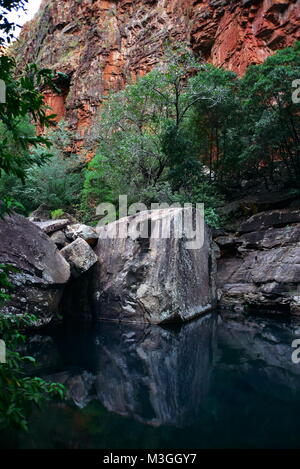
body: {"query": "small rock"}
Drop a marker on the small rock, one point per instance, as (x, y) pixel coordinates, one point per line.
(60, 239)
(80, 256)
(85, 232)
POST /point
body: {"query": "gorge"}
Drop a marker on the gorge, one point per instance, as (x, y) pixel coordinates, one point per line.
(102, 45)
(172, 323)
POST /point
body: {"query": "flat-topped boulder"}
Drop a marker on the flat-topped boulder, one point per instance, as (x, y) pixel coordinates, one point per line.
(155, 278)
(41, 272)
(51, 226)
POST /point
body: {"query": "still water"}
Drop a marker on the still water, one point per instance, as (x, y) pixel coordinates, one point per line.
(216, 382)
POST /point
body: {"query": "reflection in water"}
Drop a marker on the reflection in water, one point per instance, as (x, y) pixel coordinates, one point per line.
(211, 383)
(157, 376)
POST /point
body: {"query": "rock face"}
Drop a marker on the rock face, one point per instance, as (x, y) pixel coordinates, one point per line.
(261, 264)
(42, 270)
(153, 279)
(103, 44)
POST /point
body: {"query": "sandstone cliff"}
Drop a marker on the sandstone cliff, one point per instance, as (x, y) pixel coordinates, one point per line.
(102, 44)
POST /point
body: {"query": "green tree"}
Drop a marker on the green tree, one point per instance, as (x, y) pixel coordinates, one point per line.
(24, 101)
(271, 129)
(215, 120)
(147, 147)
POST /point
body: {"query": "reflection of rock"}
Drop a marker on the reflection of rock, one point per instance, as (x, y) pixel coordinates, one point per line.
(176, 377)
(157, 376)
(154, 274)
(45, 352)
(264, 355)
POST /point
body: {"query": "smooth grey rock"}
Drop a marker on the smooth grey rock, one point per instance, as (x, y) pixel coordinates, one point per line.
(80, 256)
(85, 232)
(42, 271)
(153, 280)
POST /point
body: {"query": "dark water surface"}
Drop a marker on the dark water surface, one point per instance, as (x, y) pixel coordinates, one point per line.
(212, 383)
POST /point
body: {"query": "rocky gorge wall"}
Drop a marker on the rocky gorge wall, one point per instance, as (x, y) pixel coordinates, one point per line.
(103, 44)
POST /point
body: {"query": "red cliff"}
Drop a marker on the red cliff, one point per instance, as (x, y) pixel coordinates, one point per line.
(103, 44)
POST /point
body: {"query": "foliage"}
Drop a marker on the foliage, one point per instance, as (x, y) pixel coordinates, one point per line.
(57, 214)
(17, 391)
(57, 183)
(272, 125)
(197, 130)
(147, 148)
(24, 102)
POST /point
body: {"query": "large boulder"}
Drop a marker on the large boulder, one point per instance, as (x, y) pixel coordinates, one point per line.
(42, 270)
(153, 279)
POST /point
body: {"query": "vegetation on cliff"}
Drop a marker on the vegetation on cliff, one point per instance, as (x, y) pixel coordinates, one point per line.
(170, 138)
(24, 102)
(185, 132)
